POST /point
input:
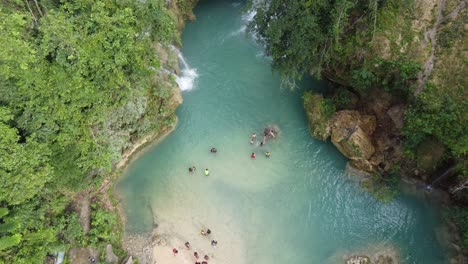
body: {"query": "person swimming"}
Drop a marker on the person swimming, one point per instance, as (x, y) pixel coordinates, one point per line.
(267, 154)
(213, 150)
(207, 172)
(261, 143)
(254, 136)
(251, 142)
(252, 155)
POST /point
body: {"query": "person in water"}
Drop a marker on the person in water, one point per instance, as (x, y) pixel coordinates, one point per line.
(207, 172)
(261, 143)
(192, 169)
(203, 232)
(213, 150)
(251, 142)
(187, 245)
(214, 243)
(208, 231)
(267, 154)
(252, 155)
(254, 136)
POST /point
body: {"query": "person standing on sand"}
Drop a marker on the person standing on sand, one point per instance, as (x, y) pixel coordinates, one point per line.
(195, 254)
(175, 251)
(187, 245)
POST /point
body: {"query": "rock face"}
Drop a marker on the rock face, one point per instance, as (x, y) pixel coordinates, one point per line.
(84, 210)
(369, 134)
(110, 256)
(83, 255)
(351, 133)
(129, 260)
(318, 121)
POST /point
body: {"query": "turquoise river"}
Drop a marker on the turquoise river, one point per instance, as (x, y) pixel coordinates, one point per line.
(298, 206)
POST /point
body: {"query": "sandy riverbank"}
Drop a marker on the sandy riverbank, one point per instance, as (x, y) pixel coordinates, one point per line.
(173, 231)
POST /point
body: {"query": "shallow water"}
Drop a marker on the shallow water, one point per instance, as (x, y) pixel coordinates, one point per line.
(296, 206)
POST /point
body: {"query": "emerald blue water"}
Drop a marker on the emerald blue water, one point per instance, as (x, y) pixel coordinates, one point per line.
(295, 207)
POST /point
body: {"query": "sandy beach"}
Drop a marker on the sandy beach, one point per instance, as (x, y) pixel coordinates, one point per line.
(172, 231)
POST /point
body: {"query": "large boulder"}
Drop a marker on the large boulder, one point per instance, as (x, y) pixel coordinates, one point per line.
(351, 133)
(318, 114)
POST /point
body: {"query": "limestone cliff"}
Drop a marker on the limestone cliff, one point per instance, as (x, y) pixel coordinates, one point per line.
(430, 35)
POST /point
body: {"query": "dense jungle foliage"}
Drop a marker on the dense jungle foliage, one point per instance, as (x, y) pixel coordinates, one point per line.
(64, 67)
(336, 39)
(342, 41)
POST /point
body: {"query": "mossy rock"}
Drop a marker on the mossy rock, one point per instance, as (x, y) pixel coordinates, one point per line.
(319, 112)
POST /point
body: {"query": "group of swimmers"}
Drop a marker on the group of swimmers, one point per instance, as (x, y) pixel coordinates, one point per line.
(207, 172)
(195, 253)
(252, 141)
(253, 156)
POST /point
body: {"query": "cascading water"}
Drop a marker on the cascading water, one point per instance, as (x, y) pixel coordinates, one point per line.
(188, 75)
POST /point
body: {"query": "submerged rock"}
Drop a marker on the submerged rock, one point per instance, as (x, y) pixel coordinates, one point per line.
(270, 132)
(374, 254)
(358, 260)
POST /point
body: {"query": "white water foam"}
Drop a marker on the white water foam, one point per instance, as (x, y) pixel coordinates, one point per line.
(186, 78)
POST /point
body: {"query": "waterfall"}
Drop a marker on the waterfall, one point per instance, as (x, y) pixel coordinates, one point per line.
(445, 174)
(187, 76)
